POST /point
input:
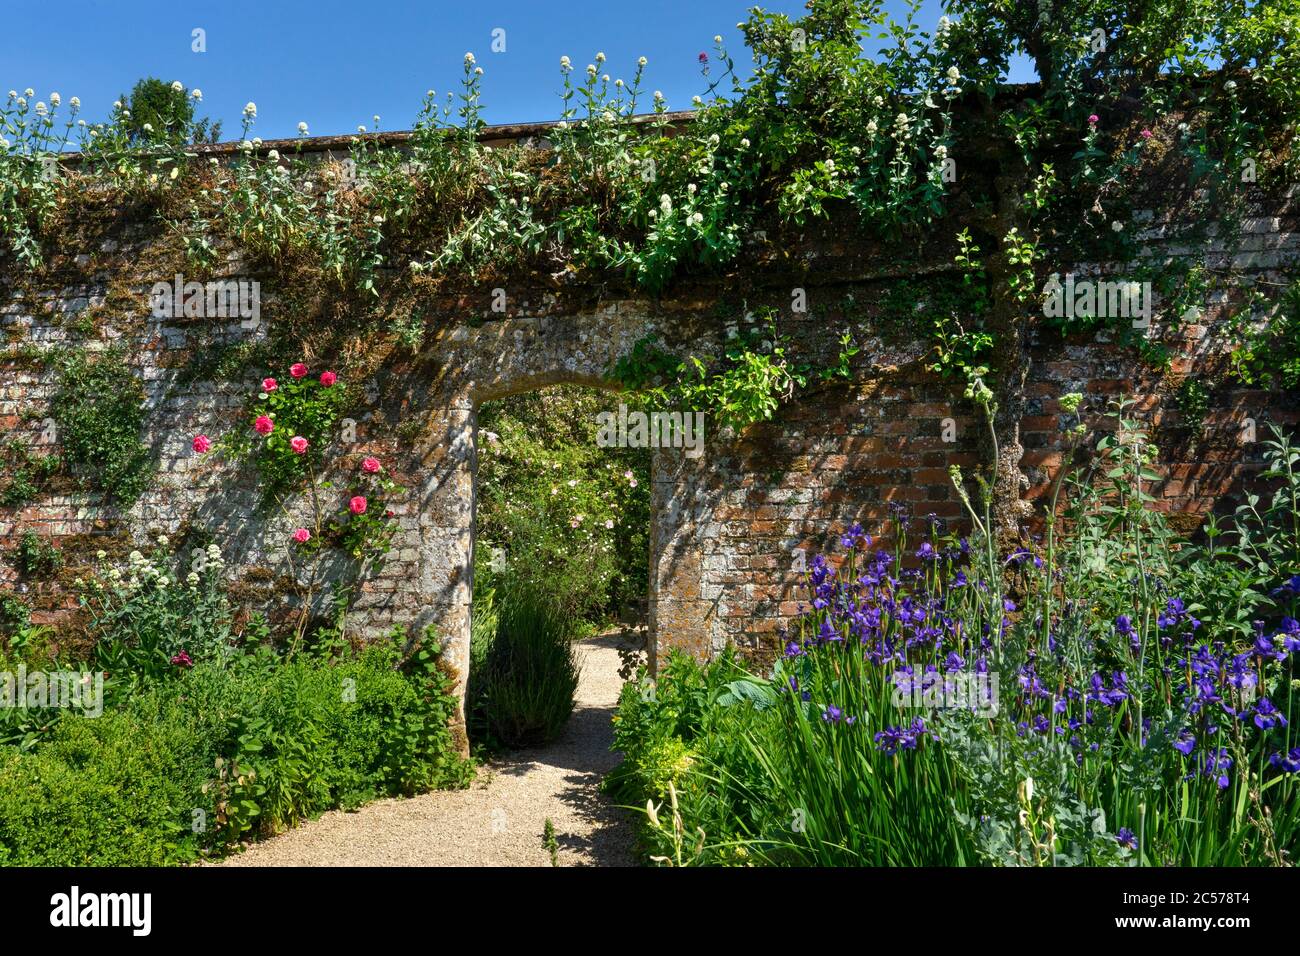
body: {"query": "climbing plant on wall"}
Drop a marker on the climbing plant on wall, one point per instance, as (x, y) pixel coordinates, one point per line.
(846, 114)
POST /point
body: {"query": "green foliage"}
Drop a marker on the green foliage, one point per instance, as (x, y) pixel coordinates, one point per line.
(526, 677)
(14, 614)
(568, 516)
(158, 112)
(36, 556)
(746, 384)
(1268, 355)
(99, 410)
(228, 752)
(25, 473)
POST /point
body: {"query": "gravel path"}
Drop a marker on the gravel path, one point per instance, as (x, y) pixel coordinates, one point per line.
(498, 820)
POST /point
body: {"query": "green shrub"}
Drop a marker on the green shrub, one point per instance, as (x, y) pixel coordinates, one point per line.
(188, 767)
(523, 688)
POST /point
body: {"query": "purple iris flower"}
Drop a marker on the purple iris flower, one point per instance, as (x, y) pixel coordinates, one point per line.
(1185, 743)
(1290, 763)
(1267, 716)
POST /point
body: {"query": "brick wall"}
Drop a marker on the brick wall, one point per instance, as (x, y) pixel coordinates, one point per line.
(730, 527)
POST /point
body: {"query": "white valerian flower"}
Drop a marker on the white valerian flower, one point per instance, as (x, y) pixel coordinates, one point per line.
(469, 59)
(22, 102)
(878, 100)
(196, 95)
(717, 38)
(1117, 226)
(13, 94)
(659, 96)
(41, 109)
(690, 188)
(1230, 85)
(55, 100)
(901, 121)
(162, 540)
(245, 146)
(618, 83)
(29, 92)
(944, 24)
(302, 129)
(250, 110)
(953, 75)
(117, 104)
(604, 77)
(273, 155)
(361, 129)
(641, 61)
(566, 64)
(257, 141)
(115, 575)
(744, 142)
(600, 58)
(666, 203)
(695, 218)
(75, 103)
(177, 85)
(101, 554)
(830, 165)
(192, 578)
(697, 101)
(941, 151)
(478, 71)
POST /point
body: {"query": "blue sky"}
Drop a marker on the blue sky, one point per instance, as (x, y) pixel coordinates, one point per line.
(335, 64)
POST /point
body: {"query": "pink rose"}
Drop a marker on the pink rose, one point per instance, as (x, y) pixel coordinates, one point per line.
(263, 425)
(358, 505)
(1094, 119)
(297, 370)
(298, 444)
(328, 378)
(202, 444)
(302, 535)
(1146, 134)
(370, 465)
(269, 385)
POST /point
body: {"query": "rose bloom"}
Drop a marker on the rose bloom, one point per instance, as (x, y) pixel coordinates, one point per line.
(263, 425)
(298, 444)
(297, 370)
(269, 385)
(302, 536)
(358, 505)
(1094, 119)
(202, 443)
(370, 465)
(328, 378)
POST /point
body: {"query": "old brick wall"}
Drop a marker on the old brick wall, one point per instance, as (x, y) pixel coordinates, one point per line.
(730, 527)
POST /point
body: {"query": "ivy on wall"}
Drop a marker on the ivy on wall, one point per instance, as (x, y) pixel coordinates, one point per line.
(99, 410)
